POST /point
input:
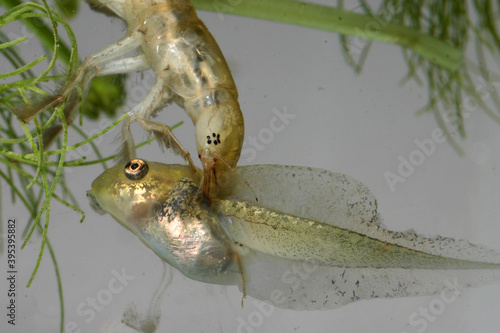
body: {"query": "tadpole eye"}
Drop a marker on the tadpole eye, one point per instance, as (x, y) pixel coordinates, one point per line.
(136, 169)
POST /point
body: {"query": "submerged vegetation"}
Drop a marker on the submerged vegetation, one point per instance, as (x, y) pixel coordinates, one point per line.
(33, 174)
(434, 36)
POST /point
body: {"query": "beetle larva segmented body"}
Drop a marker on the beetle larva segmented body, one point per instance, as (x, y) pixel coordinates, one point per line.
(186, 57)
(189, 69)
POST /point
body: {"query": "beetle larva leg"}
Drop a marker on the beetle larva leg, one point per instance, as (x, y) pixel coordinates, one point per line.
(125, 65)
(103, 59)
(86, 72)
(166, 137)
(157, 97)
(127, 151)
(215, 184)
(121, 66)
(114, 50)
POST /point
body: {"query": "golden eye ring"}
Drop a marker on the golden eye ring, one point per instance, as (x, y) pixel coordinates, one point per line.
(136, 169)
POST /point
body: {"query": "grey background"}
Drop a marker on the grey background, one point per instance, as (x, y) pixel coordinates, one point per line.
(358, 125)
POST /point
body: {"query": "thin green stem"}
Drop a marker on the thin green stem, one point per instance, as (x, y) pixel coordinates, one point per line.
(23, 68)
(343, 22)
(41, 31)
(13, 42)
(93, 137)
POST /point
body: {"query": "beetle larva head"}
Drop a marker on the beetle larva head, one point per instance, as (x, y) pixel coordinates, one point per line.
(220, 134)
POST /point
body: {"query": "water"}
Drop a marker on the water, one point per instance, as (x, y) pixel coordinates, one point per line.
(362, 125)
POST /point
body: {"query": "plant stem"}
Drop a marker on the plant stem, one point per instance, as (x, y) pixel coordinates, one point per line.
(342, 22)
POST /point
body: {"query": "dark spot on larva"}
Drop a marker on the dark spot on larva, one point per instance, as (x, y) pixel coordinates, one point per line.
(215, 140)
